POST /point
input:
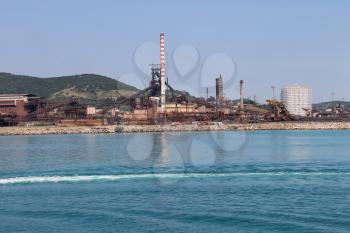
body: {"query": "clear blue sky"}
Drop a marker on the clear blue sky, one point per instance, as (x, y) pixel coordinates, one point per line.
(272, 42)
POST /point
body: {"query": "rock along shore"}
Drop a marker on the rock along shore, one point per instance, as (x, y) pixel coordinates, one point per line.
(43, 130)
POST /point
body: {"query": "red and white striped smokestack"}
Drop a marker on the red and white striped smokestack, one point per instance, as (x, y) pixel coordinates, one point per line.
(162, 72)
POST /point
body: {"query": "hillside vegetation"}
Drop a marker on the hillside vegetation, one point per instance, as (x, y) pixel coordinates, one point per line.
(89, 87)
(326, 105)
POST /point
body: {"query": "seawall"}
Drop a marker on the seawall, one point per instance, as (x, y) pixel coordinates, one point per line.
(42, 130)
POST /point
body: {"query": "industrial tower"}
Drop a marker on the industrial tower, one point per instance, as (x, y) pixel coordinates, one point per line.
(219, 90)
(162, 73)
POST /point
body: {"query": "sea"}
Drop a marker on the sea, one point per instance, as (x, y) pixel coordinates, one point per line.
(261, 181)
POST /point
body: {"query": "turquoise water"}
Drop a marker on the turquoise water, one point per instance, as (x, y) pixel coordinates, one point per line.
(268, 181)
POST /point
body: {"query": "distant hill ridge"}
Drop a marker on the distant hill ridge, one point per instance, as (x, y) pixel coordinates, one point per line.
(327, 105)
(86, 86)
(90, 88)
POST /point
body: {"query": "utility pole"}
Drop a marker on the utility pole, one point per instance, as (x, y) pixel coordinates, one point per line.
(333, 94)
(273, 92)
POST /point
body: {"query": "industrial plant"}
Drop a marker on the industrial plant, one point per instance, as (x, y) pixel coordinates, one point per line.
(160, 103)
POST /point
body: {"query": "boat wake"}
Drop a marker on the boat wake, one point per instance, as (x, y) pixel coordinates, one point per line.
(91, 178)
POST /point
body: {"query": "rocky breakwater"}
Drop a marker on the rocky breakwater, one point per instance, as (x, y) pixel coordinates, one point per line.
(174, 128)
(234, 127)
(296, 126)
(43, 130)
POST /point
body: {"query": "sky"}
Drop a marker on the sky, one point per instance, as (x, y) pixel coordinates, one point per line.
(265, 43)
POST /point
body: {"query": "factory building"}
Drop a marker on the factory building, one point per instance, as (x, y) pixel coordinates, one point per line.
(297, 99)
(18, 106)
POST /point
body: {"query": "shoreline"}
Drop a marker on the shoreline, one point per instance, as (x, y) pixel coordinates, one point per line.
(51, 130)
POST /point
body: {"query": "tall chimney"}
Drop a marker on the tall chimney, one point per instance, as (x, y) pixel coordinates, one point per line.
(241, 105)
(219, 90)
(162, 72)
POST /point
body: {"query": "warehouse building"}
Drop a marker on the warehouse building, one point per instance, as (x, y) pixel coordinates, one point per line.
(18, 106)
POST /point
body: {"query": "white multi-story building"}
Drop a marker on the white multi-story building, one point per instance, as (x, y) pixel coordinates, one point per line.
(297, 99)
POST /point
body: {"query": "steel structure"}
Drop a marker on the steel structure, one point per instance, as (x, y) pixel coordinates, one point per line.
(279, 111)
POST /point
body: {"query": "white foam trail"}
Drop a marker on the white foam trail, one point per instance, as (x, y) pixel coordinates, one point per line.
(87, 178)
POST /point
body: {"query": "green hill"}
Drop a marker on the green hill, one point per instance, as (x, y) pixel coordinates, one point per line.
(89, 87)
(326, 105)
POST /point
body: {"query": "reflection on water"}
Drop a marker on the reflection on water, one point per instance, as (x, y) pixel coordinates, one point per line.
(52, 152)
(164, 148)
(91, 147)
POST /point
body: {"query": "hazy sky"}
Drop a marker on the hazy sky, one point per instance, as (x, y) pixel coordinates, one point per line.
(271, 42)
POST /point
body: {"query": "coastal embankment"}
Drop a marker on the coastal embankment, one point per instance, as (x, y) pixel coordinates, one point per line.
(42, 130)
